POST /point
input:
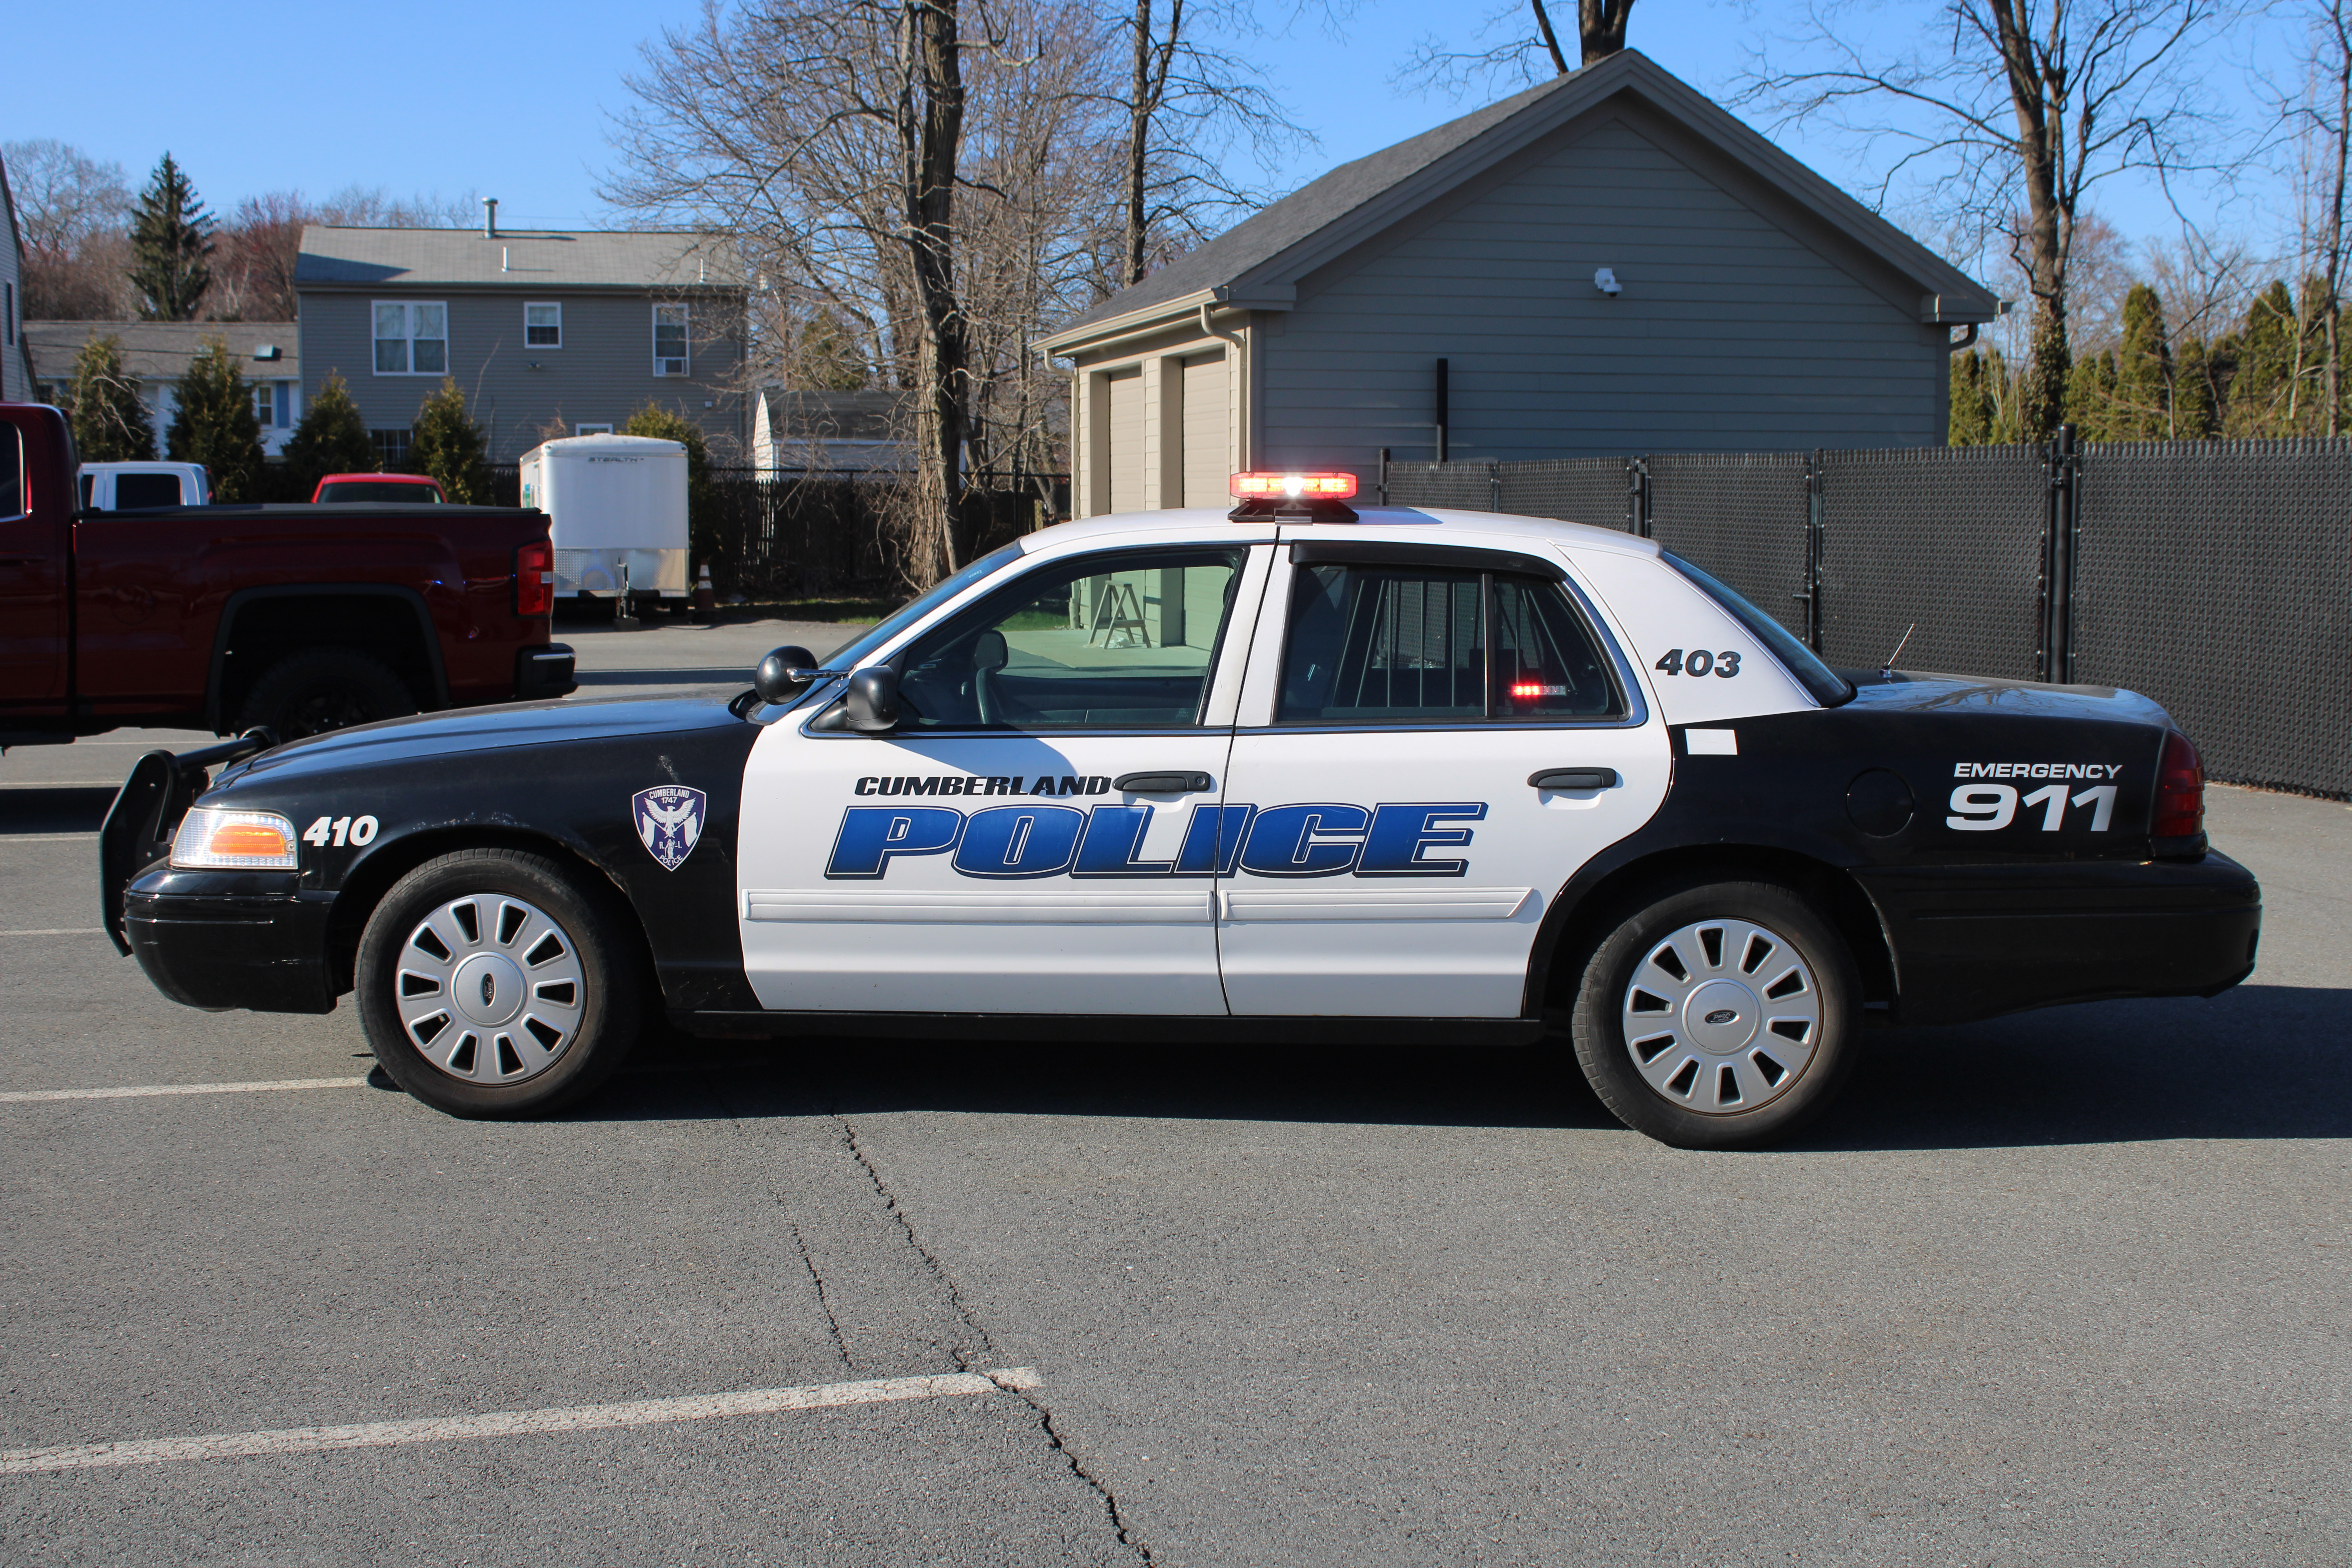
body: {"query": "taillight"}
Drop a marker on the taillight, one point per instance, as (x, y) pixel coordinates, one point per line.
(535, 579)
(2180, 790)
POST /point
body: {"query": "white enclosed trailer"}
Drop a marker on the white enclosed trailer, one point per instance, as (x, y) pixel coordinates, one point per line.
(616, 512)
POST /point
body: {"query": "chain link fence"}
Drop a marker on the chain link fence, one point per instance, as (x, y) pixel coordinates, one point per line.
(2214, 576)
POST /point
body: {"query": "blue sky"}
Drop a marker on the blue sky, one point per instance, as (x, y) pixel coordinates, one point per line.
(497, 99)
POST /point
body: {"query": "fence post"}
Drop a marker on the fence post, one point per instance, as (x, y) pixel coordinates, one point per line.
(1384, 476)
(1494, 484)
(1811, 593)
(2055, 659)
(1637, 496)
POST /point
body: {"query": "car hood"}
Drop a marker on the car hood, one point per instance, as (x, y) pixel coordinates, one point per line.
(499, 728)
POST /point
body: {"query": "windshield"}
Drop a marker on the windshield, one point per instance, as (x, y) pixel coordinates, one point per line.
(381, 492)
(922, 604)
(1828, 686)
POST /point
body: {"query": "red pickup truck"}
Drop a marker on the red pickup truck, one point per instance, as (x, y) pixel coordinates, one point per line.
(302, 618)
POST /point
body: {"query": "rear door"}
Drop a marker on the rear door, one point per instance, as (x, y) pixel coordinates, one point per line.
(1041, 834)
(1405, 705)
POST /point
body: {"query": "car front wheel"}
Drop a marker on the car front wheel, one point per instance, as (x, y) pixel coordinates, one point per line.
(1716, 1014)
(492, 982)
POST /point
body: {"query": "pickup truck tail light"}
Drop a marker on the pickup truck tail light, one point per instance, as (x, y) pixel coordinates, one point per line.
(535, 579)
(2180, 790)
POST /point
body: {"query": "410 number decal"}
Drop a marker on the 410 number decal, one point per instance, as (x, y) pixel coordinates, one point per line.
(1699, 661)
(340, 830)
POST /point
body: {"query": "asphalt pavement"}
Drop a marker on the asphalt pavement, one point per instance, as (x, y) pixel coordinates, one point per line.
(2070, 1288)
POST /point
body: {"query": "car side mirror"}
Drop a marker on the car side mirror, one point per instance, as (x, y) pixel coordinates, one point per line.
(871, 703)
(785, 674)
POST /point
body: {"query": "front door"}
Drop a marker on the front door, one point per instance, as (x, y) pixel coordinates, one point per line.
(1041, 833)
(1401, 850)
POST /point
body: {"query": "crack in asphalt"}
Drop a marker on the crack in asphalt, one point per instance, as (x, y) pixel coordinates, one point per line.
(823, 1296)
(964, 1360)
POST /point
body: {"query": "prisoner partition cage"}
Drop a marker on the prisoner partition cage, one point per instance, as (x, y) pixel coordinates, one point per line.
(2215, 576)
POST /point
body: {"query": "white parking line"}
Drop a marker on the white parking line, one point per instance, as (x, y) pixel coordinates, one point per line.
(140, 1091)
(62, 783)
(8, 838)
(510, 1423)
(60, 930)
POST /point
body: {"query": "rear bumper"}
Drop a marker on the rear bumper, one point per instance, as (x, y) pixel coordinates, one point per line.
(232, 939)
(1976, 941)
(544, 671)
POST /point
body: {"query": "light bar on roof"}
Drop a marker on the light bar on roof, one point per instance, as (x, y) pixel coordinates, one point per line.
(1294, 487)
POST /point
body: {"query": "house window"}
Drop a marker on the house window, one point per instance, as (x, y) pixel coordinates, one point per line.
(605, 429)
(391, 448)
(542, 326)
(669, 339)
(411, 339)
(268, 404)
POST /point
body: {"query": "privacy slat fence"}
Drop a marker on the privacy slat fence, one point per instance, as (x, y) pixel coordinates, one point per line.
(2215, 576)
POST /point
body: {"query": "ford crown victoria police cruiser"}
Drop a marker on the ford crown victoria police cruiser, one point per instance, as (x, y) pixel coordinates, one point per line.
(1289, 773)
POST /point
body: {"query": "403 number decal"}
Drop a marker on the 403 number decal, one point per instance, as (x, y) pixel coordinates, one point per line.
(1699, 661)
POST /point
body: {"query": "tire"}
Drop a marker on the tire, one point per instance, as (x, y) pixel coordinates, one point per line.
(1755, 1037)
(323, 689)
(541, 991)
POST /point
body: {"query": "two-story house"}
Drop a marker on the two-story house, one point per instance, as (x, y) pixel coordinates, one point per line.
(547, 333)
(16, 359)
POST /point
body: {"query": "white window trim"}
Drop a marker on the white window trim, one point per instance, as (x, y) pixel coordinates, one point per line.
(593, 429)
(686, 361)
(555, 305)
(410, 306)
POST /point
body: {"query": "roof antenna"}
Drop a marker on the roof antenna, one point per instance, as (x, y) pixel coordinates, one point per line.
(1886, 670)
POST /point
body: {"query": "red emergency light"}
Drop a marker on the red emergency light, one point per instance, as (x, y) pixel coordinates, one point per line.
(1295, 486)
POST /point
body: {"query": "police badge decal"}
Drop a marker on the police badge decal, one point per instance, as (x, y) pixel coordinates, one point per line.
(669, 821)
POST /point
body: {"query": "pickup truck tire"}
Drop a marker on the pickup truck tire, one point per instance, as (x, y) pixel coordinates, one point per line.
(497, 982)
(323, 689)
(1717, 1015)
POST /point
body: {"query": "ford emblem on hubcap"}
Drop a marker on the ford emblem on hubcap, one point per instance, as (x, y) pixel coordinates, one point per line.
(1722, 1016)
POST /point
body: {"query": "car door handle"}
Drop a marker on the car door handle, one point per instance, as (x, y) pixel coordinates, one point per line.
(1163, 784)
(1574, 778)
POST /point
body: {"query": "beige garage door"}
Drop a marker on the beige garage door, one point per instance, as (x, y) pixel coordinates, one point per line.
(1208, 431)
(1127, 440)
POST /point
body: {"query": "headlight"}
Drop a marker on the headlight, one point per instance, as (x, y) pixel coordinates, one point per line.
(214, 841)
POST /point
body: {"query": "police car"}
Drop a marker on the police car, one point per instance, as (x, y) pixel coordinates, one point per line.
(1298, 771)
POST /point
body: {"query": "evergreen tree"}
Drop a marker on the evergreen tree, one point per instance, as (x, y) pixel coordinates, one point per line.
(2142, 409)
(1972, 403)
(447, 445)
(2262, 391)
(2091, 397)
(170, 242)
(110, 423)
(214, 425)
(2193, 402)
(2001, 387)
(331, 438)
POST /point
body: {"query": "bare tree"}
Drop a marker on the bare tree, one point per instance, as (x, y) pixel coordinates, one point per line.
(2009, 115)
(73, 214)
(2317, 116)
(1523, 55)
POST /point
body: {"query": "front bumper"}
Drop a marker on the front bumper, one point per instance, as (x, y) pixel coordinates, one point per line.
(218, 940)
(544, 671)
(1976, 941)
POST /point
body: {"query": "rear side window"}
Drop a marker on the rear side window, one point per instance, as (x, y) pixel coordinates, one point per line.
(1827, 686)
(1373, 644)
(146, 490)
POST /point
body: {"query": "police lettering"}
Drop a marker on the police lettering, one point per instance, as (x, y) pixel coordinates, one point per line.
(977, 783)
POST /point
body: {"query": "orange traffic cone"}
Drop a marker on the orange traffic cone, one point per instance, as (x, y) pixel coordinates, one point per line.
(706, 598)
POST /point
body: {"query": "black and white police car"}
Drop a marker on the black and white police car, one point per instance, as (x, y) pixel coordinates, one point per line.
(1294, 772)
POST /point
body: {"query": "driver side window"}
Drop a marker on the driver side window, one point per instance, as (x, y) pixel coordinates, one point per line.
(1103, 642)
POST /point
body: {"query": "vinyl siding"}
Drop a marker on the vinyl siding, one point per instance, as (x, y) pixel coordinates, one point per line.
(1127, 440)
(1740, 325)
(602, 373)
(1208, 431)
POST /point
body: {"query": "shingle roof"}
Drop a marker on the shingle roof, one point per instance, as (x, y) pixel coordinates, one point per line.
(160, 351)
(537, 259)
(1291, 236)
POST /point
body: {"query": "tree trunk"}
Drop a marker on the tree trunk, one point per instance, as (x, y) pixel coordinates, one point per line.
(1600, 28)
(2048, 221)
(2341, 66)
(1139, 106)
(941, 355)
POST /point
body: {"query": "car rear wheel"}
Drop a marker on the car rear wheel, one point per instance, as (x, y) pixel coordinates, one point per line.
(492, 982)
(323, 689)
(1716, 1014)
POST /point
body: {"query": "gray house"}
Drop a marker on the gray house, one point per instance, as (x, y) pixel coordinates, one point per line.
(548, 333)
(156, 354)
(15, 358)
(1607, 263)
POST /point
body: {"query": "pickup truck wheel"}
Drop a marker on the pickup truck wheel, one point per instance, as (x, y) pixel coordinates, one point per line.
(323, 689)
(492, 982)
(1717, 1015)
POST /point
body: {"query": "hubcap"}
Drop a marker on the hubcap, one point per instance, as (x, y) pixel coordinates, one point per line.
(489, 989)
(1721, 1016)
